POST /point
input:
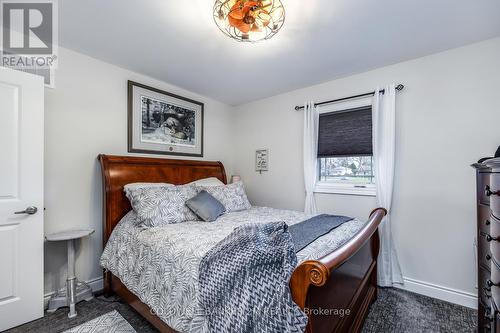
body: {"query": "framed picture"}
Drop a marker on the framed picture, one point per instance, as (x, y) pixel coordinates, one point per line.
(48, 75)
(261, 160)
(160, 122)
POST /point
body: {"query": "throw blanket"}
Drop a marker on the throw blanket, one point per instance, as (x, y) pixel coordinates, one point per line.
(244, 279)
(306, 232)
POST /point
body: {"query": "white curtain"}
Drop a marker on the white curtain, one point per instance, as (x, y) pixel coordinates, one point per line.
(384, 142)
(311, 120)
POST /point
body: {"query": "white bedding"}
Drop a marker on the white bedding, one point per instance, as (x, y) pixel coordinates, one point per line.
(160, 264)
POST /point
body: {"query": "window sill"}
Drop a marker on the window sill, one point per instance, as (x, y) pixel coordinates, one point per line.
(348, 189)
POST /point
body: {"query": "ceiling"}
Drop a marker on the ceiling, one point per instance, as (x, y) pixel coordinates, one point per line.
(178, 42)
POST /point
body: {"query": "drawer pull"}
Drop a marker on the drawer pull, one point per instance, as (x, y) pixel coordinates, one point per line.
(489, 238)
(488, 192)
(492, 284)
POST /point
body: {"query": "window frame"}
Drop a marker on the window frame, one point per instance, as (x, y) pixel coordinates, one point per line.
(344, 188)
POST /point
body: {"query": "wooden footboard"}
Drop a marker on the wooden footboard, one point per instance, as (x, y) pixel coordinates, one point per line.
(337, 290)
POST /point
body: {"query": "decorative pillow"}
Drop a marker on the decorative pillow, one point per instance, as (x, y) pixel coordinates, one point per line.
(232, 196)
(211, 181)
(206, 206)
(160, 205)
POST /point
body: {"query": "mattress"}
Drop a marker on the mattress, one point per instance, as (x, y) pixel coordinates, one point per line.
(160, 264)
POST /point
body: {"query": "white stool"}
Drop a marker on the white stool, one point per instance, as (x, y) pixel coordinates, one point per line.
(75, 290)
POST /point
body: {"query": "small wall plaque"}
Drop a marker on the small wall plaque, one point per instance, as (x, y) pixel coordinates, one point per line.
(261, 160)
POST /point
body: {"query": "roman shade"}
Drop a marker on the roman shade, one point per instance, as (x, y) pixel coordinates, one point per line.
(345, 133)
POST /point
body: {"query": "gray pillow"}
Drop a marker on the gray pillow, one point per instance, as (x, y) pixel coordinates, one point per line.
(206, 206)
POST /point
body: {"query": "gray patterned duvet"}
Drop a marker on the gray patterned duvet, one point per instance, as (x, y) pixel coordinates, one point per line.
(160, 264)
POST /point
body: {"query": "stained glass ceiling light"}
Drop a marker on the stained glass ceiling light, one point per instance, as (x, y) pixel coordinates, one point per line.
(249, 21)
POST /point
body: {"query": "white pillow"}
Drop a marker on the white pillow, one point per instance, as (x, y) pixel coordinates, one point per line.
(232, 196)
(211, 181)
(132, 186)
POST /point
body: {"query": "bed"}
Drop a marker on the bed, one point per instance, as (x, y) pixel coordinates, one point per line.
(338, 272)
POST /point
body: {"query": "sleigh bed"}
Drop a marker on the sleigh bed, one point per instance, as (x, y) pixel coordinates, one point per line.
(336, 290)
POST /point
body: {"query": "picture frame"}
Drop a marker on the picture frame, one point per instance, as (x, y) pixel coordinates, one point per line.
(261, 160)
(48, 75)
(160, 122)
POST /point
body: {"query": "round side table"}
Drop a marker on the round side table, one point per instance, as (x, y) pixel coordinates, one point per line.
(75, 290)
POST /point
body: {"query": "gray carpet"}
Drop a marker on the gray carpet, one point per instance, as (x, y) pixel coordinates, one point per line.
(400, 311)
(394, 311)
(58, 321)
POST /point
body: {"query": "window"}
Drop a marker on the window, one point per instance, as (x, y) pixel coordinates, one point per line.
(345, 153)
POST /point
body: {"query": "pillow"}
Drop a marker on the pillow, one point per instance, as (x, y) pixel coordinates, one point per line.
(159, 205)
(206, 206)
(232, 196)
(211, 181)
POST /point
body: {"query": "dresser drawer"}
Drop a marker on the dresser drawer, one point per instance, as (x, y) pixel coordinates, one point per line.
(483, 250)
(483, 180)
(483, 218)
(489, 320)
(484, 318)
(484, 290)
(494, 282)
(495, 198)
(495, 237)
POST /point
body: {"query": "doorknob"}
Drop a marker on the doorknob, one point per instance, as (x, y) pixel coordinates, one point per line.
(30, 211)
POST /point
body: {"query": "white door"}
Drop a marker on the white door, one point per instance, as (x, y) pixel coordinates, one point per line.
(21, 187)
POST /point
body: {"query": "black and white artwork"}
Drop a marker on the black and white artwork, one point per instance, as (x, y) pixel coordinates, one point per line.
(167, 123)
(164, 123)
(261, 160)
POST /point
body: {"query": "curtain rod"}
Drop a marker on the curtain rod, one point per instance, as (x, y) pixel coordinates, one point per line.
(399, 87)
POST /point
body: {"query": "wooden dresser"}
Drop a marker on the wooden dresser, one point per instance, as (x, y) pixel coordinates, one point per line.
(488, 244)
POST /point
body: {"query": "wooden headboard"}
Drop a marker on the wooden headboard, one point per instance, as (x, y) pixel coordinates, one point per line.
(118, 171)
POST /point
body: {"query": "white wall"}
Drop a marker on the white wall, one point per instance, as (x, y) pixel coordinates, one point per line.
(87, 115)
(447, 118)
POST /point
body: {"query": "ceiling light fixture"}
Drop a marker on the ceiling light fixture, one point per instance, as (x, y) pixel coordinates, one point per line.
(249, 21)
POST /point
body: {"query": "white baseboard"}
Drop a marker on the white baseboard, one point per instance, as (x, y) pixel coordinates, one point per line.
(95, 284)
(443, 293)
